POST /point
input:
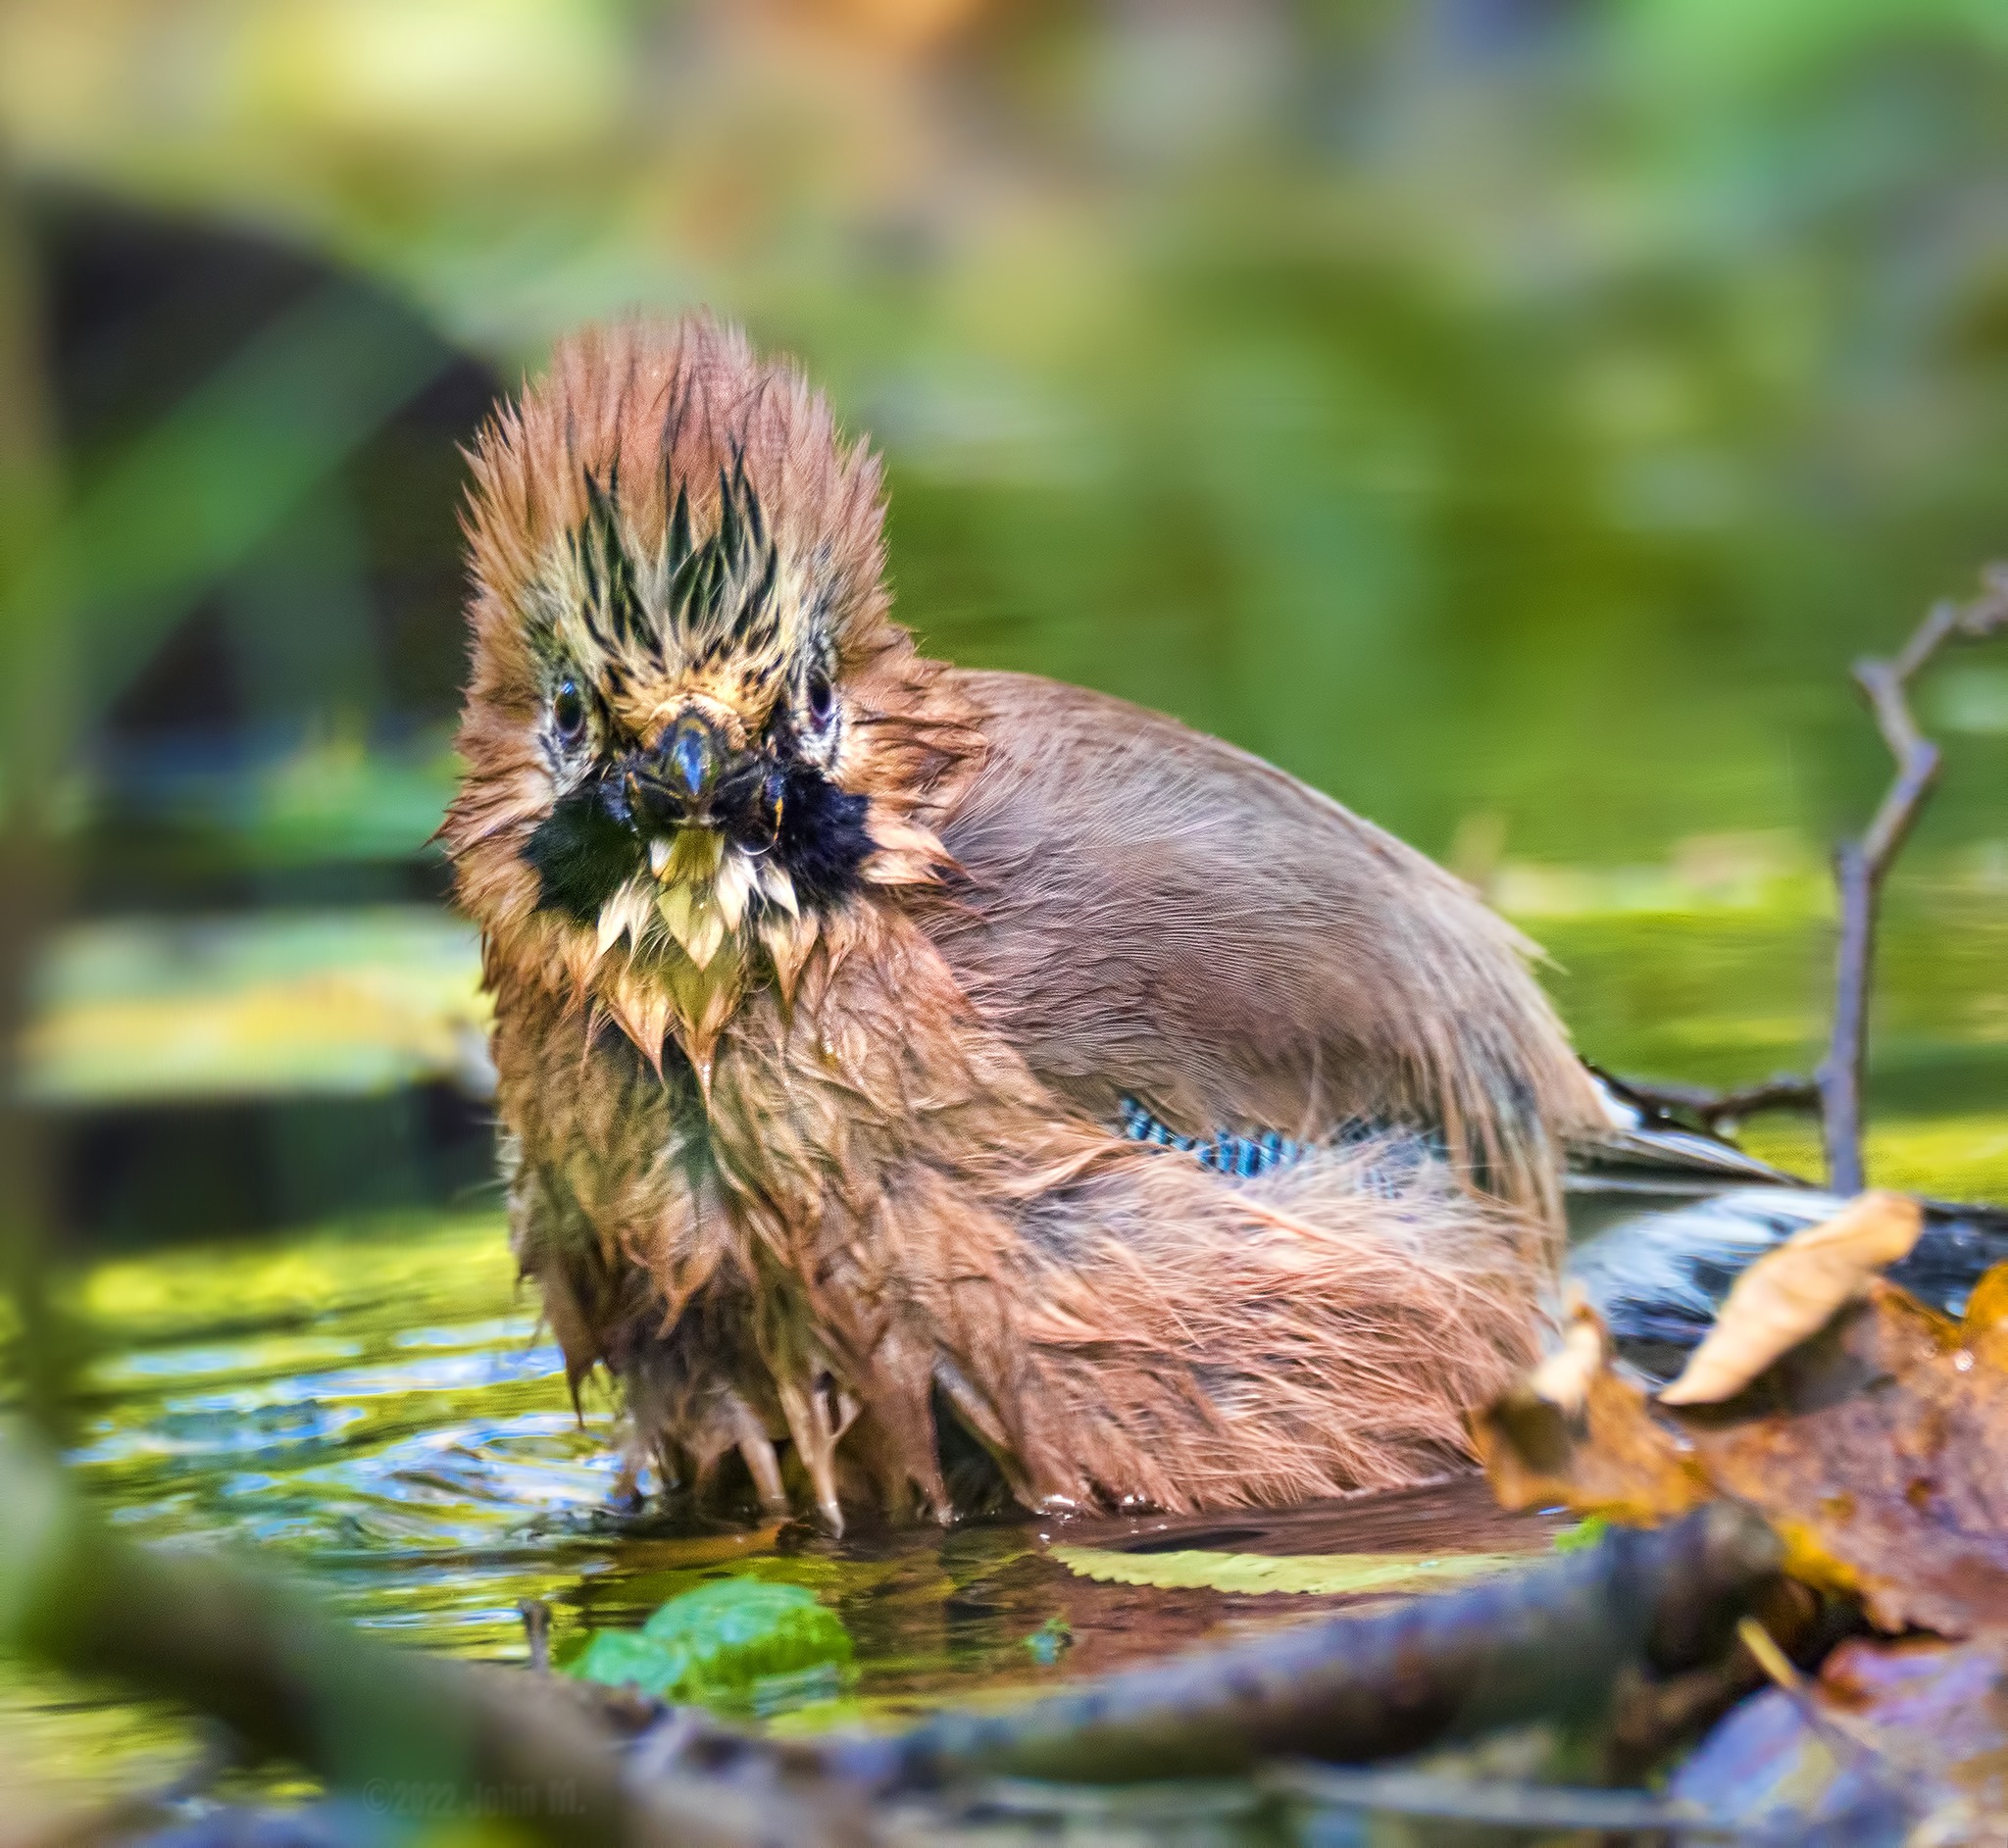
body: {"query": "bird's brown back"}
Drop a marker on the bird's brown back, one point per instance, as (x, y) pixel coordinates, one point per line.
(1146, 911)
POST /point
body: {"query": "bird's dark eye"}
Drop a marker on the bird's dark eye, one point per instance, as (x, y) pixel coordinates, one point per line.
(822, 698)
(567, 711)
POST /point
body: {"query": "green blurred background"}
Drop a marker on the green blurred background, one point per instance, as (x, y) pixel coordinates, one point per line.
(1509, 414)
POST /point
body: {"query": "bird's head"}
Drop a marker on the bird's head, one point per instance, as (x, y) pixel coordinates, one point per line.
(693, 734)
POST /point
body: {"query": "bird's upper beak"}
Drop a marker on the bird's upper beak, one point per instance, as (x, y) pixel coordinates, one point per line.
(690, 751)
(689, 777)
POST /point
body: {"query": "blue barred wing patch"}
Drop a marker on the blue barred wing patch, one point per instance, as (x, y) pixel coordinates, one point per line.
(1397, 1154)
(1240, 1157)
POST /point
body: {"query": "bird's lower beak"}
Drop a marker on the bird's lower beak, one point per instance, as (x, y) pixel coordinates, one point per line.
(692, 852)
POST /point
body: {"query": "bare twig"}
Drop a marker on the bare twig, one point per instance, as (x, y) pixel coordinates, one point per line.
(1719, 1112)
(536, 1633)
(1860, 866)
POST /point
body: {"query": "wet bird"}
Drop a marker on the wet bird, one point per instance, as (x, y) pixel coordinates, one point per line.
(925, 1088)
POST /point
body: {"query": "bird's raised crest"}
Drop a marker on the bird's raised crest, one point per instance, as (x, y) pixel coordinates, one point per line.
(696, 603)
(613, 607)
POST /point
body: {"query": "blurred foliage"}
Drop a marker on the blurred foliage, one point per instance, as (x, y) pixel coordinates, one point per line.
(1463, 402)
(349, 1002)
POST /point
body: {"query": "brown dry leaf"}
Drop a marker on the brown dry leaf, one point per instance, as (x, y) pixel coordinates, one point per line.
(1606, 1456)
(1878, 1449)
(1795, 1291)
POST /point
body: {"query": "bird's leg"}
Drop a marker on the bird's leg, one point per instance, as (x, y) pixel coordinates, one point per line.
(818, 1415)
(762, 1463)
(696, 1428)
(979, 1418)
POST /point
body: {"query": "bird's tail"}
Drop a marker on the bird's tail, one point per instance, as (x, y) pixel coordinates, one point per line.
(1662, 1221)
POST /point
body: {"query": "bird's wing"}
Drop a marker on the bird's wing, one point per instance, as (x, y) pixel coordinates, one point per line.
(1150, 913)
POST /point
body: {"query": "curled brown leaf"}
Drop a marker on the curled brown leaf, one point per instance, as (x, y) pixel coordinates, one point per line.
(1795, 1291)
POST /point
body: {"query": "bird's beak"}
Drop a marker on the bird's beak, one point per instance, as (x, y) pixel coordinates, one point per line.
(690, 753)
(674, 785)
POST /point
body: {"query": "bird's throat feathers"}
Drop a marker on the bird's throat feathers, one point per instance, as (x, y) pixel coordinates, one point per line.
(673, 952)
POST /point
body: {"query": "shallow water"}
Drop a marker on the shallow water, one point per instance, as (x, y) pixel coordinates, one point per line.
(378, 1411)
(375, 1409)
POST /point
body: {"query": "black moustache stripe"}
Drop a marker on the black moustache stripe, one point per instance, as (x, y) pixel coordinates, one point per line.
(822, 840)
(588, 846)
(583, 853)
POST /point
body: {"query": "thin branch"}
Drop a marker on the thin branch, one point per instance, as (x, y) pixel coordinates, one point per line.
(1718, 1111)
(1861, 866)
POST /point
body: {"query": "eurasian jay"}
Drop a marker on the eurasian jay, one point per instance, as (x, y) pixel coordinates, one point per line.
(924, 1088)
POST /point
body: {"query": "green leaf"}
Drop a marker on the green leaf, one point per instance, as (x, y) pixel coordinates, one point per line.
(718, 1642)
(625, 1658)
(1314, 1573)
(736, 1630)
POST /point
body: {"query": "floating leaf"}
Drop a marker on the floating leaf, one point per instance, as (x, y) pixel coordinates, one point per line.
(625, 1658)
(720, 1641)
(1328, 1575)
(1795, 1291)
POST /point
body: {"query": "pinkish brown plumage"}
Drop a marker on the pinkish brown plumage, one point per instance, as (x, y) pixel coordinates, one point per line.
(824, 974)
